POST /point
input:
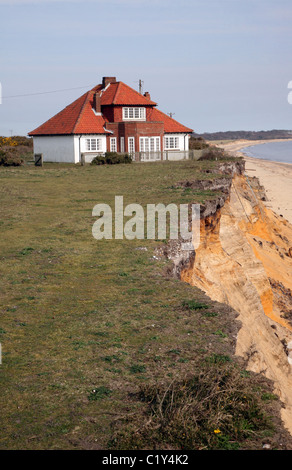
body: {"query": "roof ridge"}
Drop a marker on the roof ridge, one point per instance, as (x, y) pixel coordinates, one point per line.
(132, 89)
(116, 92)
(81, 110)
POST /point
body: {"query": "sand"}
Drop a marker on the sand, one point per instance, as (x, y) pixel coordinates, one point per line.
(274, 176)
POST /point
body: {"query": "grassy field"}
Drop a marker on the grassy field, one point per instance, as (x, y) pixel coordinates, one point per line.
(91, 329)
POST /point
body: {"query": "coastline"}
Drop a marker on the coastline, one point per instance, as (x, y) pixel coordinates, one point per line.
(276, 177)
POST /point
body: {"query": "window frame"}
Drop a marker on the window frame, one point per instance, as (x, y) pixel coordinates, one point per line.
(113, 140)
(93, 144)
(167, 145)
(131, 139)
(134, 113)
(122, 144)
(149, 144)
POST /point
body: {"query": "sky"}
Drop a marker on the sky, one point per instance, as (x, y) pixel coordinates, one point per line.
(217, 65)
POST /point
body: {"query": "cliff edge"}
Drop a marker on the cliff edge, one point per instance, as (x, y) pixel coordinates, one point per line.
(245, 260)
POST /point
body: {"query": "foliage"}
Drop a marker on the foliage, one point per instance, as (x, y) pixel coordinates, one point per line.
(111, 158)
(197, 143)
(214, 153)
(15, 141)
(15, 150)
(8, 158)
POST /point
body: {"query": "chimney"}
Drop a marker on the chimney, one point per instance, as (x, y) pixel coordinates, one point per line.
(107, 80)
(96, 102)
(147, 95)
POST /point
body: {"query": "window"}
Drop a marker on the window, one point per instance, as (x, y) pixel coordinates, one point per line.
(113, 144)
(171, 142)
(134, 113)
(122, 144)
(149, 144)
(131, 144)
(93, 145)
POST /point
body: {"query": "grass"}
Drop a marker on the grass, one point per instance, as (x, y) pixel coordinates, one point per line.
(85, 323)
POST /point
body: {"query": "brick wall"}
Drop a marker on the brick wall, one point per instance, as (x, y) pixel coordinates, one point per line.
(134, 129)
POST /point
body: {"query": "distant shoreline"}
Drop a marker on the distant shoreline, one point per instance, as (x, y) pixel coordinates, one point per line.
(276, 177)
(237, 145)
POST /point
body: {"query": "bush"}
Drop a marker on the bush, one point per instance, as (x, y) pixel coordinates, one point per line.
(98, 160)
(197, 143)
(214, 153)
(9, 159)
(111, 158)
(214, 409)
(16, 141)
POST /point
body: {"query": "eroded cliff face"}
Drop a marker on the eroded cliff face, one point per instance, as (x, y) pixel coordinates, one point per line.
(244, 260)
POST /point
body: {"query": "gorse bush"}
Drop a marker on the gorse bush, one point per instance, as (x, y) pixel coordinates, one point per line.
(111, 158)
(15, 150)
(8, 158)
(16, 141)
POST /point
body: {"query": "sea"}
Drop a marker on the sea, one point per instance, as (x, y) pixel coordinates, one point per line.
(274, 151)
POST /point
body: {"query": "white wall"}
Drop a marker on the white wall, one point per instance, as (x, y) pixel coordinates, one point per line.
(183, 141)
(55, 148)
(90, 155)
(67, 148)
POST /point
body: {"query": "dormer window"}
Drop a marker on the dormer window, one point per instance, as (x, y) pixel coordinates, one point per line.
(135, 114)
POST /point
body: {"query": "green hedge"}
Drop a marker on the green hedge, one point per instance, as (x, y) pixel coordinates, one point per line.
(111, 158)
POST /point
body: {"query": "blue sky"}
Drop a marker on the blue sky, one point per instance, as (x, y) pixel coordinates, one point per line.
(218, 65)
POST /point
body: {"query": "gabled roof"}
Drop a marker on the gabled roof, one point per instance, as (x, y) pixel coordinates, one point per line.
(80, 118)
(170, 125)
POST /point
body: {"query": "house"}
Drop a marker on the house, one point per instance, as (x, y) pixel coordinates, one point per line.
(110, 117)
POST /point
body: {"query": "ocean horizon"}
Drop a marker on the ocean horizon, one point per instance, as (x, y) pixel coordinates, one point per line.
(274, 151)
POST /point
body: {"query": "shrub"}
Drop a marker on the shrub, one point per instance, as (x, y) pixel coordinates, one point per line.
(197, 143)
(213, 153)
(16, 141)
(98, 160)
(111, 158)
(9, 159)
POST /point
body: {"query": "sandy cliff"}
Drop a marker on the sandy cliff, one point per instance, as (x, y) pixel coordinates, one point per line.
(245, 260)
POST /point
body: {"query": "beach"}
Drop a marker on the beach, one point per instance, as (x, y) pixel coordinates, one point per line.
(274, 176)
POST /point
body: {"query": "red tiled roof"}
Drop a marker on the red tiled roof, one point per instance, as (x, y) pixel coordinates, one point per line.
(119, 93)
(79, 117)
(170, 124)
(76, 118)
